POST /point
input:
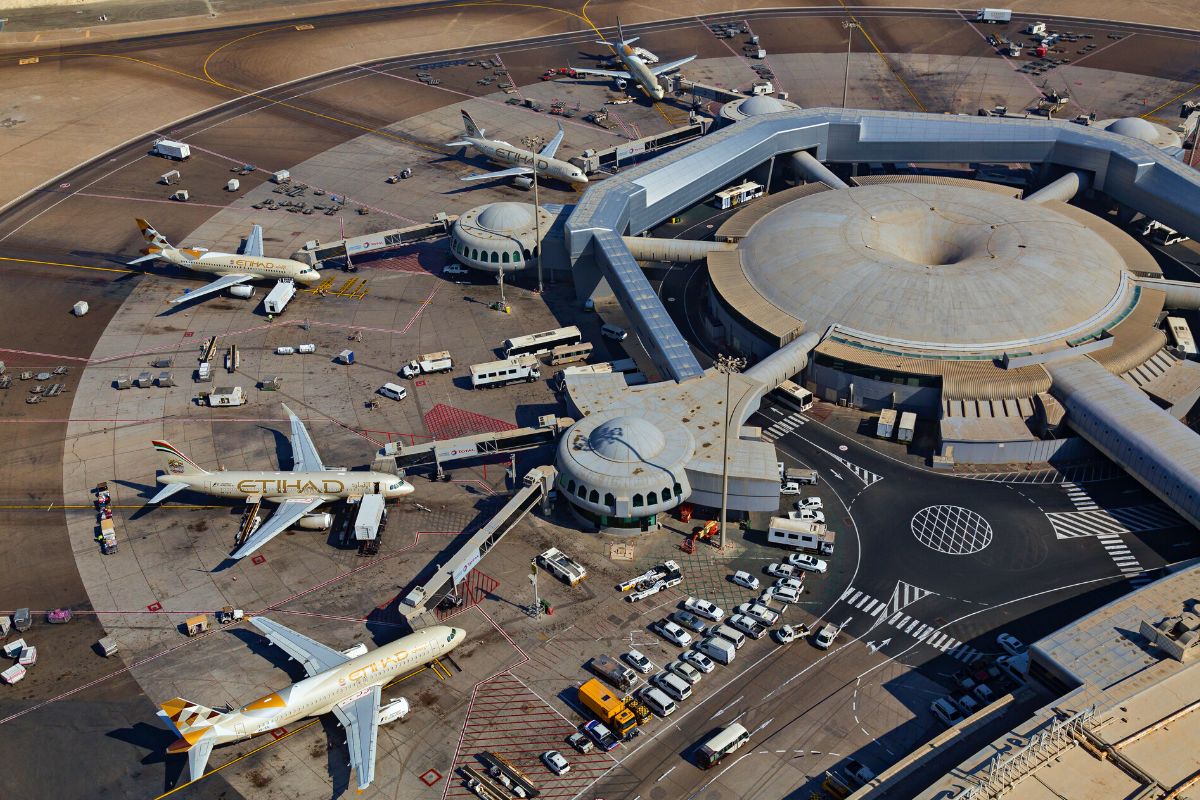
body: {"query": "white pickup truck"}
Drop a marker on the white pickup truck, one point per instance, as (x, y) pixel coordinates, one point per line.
(427, 363)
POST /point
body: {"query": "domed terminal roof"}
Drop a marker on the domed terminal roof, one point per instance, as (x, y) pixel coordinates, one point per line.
(506, 217)
(1142, 130)
(935, 266)
(627, 439)
(760, 104)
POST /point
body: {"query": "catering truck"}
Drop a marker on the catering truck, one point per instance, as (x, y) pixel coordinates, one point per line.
(427, 363)
(176, 151)
(607, 707)
(278, 298)
(994, 16)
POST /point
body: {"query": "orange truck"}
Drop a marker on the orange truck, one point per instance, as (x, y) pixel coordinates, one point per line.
(607, 707)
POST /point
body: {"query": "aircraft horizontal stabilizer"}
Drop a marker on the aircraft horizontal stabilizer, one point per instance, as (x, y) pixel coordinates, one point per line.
(167, 491)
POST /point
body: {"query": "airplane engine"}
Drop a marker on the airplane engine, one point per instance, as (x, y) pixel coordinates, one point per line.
(621, 83)
(242, 290)
(315, 522)
(359, 649)
(393, 711)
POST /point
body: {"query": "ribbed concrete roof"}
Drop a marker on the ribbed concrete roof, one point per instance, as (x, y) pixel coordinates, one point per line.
(932, 264)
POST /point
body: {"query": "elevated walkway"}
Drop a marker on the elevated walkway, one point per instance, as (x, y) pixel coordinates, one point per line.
(444, 451)
(315, 253)
(446, 577)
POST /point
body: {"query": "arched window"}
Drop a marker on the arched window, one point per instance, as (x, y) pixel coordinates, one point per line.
(678, 490)
(474, 254)
(526, 251)
(495, 257)
(594, 497)
(652, 499)
(516, 256)
(504, 257)
(637, 501)
(609, 500)
(571, 486)
(581, 492)
(666, 495)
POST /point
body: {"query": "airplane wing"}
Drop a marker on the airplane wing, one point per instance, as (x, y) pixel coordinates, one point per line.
(660, 69)
(288, 513)
(254, 243)
(608, 73)
(504, 173)
(223, 282)
(359, 718)
(552, 146)
(315, 657)
(305, 457)
(167, 491)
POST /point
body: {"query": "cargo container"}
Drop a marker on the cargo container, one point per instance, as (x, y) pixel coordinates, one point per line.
(346, 357)
(176, 151)
(80, 308)
(607, 707)
(306, 348)
(28, 657)
(371, 512)
(886, 425)
(22, 619)
(278, 298)
(13, 674)
(908, 426)
(108, 646)
(226, 396)
(13, 649)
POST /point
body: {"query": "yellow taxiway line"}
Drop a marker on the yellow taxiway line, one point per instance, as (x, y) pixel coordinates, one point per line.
(62, 264)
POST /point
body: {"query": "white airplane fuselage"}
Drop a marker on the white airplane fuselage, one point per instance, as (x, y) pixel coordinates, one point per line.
(235, 264)
(640, 72)
(502, 152)
(318, 694)
(280, 486)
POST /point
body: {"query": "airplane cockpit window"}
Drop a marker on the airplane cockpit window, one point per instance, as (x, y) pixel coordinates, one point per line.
(453, 633)
(395, 487)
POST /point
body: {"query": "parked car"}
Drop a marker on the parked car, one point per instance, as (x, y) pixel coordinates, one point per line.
(789, 583)
(758, 612)
(785, 594)
(859, 772)
(704, 608)
(601, 735)
(810, 515)
(946, 712)
(825, 637)
(810, 504)
(699, 661)
(808, 563)
(581, 743)
(967, 704)
(639, 662)
(556, 762)
(751, 627)
(672, 632)
(789, 633)
(780, 570)
(790, 488)
(1010, 644)
(745, 579)
(689, 620)
(685, 671)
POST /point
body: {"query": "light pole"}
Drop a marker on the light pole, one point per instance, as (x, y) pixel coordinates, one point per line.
(535, 144)
(728, 365)
(849, 25)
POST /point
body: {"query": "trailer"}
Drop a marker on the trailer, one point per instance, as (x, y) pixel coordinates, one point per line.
(1036, 29)
(908, 426)
(993, 16)
(886, 424)
(428, 363)
(176, 151)
(346, 357)
(22, 619)
(278, 298)
(801, 534)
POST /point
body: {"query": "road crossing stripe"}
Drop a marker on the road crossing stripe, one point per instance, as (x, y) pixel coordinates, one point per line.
(869, 605)
(895, 617)
(846, 593)
(857, 594)
(922, 632)
(936, 639)
(912, 625)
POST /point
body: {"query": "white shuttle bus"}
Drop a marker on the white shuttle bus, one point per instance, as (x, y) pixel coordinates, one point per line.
(501, 373)
(721, 744)
(536, 344)
(793, 394)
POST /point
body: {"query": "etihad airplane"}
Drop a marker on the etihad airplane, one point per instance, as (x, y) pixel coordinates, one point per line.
(233, 268)
(347, 682)
(298, 492)
(525, 161)
(635, 68)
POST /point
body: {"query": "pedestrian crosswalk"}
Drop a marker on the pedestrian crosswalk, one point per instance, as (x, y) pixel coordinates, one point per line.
(1125, 560)
(890, 613)
(1127, 519)
(1079, 497)
(784, 426)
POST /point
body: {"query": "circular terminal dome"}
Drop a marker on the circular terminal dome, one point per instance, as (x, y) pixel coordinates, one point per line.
(1143, 130)
(760, 104)
(506, 217)
(627, 439)
(935, 266)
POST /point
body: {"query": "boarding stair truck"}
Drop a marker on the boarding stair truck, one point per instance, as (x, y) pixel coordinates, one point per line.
(908, 427)
(607, 707)
(613, 671)
(278, 298)
(428, 363)
(887, 423)
(801, 534)
(994, 16)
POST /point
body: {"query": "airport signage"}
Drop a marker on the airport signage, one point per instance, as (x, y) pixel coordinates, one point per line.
(455, 451)
(463, 571)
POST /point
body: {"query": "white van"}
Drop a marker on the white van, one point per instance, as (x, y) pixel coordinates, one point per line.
(658, 701)
(393, 391)
(673, 685)
(725, 632)
(614, 332)
(720, 650)
(454, 268)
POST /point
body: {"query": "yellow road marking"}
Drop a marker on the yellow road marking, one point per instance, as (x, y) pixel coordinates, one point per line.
(1179, 96)
(61, 264)
(882, 57)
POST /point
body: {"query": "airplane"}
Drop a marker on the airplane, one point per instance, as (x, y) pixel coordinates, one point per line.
(298, 492)
(233, 268)
(525, 161)
(347, 682)
(635, 68)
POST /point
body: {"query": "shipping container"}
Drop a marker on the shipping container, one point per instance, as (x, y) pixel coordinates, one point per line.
(908, 426)
(886, 425)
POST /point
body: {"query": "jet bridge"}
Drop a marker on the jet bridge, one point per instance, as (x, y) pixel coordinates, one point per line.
(444, 451)
(315, 253)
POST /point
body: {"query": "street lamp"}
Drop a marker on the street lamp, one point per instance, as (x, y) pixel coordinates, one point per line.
(849, 25)
(535, 145)
(727, 365)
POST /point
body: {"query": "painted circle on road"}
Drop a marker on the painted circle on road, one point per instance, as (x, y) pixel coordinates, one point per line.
(953, 530)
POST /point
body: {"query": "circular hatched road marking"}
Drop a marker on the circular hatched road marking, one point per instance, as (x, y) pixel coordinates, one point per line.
(953, 530)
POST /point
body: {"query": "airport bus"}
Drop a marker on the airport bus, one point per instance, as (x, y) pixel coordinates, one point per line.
(794, 395)
(535, 344)
(500, 373)
(721, 744)
(1181, 334)
(568, 353)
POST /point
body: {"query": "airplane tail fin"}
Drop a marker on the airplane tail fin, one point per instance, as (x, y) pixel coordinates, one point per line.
(176, 463)
(152, 236)
(189, 720)
(473, 130)
(621, 34)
